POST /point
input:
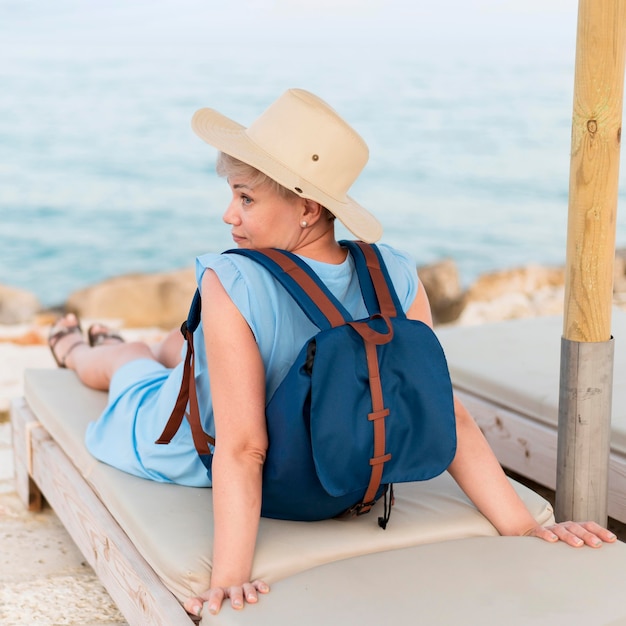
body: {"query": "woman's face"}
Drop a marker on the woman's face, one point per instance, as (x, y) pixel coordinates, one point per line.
(261, 218)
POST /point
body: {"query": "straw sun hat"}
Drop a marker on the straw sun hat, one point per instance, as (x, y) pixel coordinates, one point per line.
(301, 143)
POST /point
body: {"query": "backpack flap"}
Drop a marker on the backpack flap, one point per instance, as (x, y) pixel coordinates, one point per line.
(420, 432)
(291, 487)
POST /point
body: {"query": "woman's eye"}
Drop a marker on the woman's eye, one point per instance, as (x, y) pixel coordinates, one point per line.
(246, 200)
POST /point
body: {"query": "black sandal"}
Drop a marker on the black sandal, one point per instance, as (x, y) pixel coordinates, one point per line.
(98, 337)
(56, 335)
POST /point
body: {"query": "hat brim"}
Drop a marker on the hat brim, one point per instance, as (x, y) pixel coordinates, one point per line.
(231, 138)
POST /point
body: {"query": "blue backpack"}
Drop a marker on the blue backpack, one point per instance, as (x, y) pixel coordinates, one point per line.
(367, 403)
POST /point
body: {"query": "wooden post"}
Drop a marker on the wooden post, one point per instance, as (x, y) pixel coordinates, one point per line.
(587, 345)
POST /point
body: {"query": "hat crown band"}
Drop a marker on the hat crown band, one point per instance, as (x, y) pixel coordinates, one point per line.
(309, 138)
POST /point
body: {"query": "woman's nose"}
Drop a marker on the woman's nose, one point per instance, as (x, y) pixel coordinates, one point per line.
(230, 215)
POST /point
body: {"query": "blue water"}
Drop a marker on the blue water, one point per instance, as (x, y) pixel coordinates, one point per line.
(466, 107)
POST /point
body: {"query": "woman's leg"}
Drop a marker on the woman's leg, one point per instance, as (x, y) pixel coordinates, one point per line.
(95, 366)
(169, 349)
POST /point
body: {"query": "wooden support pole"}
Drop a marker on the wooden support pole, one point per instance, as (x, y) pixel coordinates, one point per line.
(587, 349)
(594, 169)
(583, 448)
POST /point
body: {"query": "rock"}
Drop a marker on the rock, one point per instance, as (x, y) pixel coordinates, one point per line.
(443, 287)
(547, 301)
(17, 305)
(507, 294)
(526, 280)
(521, 292)
(138, 300)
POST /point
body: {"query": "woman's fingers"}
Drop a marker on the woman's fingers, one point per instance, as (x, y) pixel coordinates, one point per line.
(238, 594)
(194, 605)
(585, 533)
(212, 597)
(599, 531)
(542, 532)
(251, 590)
(576, 534)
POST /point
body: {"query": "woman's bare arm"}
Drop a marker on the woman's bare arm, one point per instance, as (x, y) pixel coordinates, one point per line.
(477, 471)
(238, 392)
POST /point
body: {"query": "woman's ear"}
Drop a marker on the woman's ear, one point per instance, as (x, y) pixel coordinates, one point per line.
(311, 211)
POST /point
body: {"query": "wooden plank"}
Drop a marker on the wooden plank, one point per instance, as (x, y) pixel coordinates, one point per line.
(529, 448)
(26, 489)
(617, 487)
(131, 582)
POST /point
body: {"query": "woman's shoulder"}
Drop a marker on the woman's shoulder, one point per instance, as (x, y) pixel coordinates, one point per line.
(229, 267)
(240, 274)
(250, 286)
(235, 262)
(392, 255)
(262, 301)
(402, 269)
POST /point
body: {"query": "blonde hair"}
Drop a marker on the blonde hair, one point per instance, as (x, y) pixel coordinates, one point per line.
(228, 166)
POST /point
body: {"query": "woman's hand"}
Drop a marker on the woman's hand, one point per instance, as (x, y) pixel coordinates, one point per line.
(214, 597)
(574, 534)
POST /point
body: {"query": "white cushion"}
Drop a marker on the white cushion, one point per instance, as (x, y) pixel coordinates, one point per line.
(491, 581)
(171, 525)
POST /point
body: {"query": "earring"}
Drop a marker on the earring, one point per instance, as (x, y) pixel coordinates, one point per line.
(304, 223)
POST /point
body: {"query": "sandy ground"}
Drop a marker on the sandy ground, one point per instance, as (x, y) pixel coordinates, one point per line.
(44, 580)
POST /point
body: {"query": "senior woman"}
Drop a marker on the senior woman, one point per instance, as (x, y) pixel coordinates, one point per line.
(289, 174)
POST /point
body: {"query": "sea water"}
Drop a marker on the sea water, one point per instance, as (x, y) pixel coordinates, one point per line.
(466, 108)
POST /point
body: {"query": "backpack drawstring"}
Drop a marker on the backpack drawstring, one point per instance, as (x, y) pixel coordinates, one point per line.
(388, 503)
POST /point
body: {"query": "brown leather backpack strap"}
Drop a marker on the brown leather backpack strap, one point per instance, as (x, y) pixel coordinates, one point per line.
(312, 289)
(377, 417)
(187, 396)
(370, 339)
(200, 439)
(176, 418)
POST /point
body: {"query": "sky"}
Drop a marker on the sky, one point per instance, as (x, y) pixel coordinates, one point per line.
(238, 22)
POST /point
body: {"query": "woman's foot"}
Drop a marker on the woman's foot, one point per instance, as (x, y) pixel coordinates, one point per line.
(99, 334)
(64, 336)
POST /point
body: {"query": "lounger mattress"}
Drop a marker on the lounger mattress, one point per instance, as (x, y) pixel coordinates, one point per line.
(171, 526)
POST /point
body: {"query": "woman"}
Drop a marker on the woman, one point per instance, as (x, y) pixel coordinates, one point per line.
(289, 174)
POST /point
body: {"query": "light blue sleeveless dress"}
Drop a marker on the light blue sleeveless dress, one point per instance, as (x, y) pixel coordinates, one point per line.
(143, 392)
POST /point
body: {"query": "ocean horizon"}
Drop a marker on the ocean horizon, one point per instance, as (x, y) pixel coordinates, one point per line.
(466, 108)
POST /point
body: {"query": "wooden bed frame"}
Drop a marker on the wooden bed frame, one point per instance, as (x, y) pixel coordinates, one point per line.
(44, 468)
(495, 579)
(529, 448)
(507, 375)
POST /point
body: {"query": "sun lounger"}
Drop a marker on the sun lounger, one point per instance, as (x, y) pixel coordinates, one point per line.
(439, 561)
(507, 374)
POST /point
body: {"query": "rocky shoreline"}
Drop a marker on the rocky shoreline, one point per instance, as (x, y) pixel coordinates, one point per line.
(161, 300)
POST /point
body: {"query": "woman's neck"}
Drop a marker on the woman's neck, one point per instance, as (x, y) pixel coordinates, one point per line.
(323, 248)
